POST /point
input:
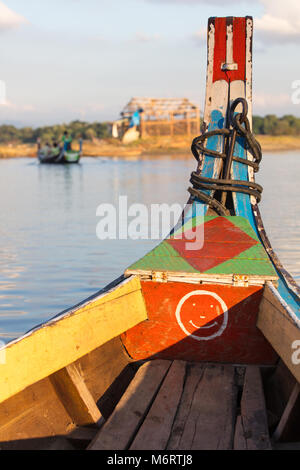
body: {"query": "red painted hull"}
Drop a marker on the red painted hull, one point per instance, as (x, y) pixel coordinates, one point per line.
(212, 323)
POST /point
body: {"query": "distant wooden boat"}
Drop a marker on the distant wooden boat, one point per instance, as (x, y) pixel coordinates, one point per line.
(197, 345)
(59, 155)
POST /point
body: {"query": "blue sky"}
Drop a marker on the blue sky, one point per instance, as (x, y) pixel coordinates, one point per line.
(85, 59)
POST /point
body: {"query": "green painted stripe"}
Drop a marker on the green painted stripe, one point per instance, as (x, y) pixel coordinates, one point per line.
(155, 263)
(244, 266)
(163, 258)
(255, 252)
(244, 225)
(253, 261)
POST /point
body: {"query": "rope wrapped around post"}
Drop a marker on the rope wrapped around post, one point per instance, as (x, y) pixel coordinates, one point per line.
(240, 127)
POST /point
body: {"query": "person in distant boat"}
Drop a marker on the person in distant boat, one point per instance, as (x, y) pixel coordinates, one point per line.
(67, 140)
(55, 148)
(46, 149)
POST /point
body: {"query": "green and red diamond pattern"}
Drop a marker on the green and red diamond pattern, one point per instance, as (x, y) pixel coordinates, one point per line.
(228, 245)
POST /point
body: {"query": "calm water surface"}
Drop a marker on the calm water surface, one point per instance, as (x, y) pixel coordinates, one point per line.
(50, 257)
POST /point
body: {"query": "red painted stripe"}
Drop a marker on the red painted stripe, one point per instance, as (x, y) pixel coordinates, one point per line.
(239, 50)
(214, 251)
(219, 49)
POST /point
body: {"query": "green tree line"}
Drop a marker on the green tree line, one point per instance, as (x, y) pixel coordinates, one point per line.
(78, 129)
(273, 125)
(268, 125)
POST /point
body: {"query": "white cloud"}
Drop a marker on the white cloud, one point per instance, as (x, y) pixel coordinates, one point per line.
(194, 2)
(9, 105)
(267, 100)
(280, 22)
(200, 36)
(9, 19)
(143, 37)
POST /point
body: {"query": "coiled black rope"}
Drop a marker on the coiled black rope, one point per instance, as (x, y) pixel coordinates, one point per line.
(239, 127)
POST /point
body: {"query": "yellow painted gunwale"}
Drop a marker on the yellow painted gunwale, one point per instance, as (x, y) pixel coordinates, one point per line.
(280, 327)
(67, 338)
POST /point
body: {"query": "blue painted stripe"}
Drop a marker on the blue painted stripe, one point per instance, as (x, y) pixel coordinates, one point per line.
(199, 208)
(244, 209)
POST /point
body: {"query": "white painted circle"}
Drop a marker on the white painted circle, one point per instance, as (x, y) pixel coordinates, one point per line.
(216, 297)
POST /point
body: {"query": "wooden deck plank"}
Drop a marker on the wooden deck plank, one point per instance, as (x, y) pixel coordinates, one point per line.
(118, 432)
(193, 376)
(83, 434)
(155, 430)
(253, 411)
(206, 415)
(58, 443)
(240, 442)
(286, 446)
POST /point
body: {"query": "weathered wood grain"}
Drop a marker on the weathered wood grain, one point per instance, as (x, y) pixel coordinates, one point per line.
(156, 429)
(279, 328)
(75, 396)
(286, 416)
(120, 429)
(32, 414)
(240, 442)
(206, 415)
(253, 411)
(69, 337)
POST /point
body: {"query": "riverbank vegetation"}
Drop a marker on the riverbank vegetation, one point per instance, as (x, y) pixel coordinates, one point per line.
(78, 129)
(174, 147)
(274, 126)
(270, 125)
(274, 134)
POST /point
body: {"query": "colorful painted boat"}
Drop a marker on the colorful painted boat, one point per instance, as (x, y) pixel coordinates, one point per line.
(197, 345)
(59, 155)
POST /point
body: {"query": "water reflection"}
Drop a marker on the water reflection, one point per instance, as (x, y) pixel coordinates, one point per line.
(50, 257)
(280, 206)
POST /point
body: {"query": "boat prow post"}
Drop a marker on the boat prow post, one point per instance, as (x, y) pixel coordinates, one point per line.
(191, 335)
(203, 303)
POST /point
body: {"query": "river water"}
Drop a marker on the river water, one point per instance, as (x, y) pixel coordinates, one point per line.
(50, 256)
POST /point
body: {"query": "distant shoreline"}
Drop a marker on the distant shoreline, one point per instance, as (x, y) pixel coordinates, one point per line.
(176, 147)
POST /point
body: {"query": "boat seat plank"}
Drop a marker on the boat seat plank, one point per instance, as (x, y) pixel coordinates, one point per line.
(253, 411)
(206, 415)
(119, 430)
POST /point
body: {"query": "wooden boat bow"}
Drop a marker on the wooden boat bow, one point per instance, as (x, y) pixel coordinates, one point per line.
(195, 346)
